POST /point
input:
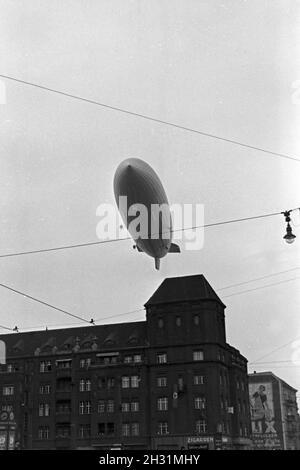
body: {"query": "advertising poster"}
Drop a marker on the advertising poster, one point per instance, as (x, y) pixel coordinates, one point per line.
(11, 440)
(3, 437)
(264, 432)
(2, 352)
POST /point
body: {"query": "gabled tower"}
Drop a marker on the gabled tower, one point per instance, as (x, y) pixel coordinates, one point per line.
(185, 310)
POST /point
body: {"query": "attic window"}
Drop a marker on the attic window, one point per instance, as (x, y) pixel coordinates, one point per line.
(133, 340)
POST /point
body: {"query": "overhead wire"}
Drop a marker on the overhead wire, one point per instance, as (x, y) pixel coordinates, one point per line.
(149, 118)
(261, 287)
(137, 310)
(80, 245)
(258, 278)
(277, 349)
(45, 303)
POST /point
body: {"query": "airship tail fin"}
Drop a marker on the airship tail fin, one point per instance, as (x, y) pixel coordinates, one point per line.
(157, 263)
(138, 248)
(174, 248)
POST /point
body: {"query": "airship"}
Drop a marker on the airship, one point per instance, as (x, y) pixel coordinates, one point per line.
(146, 212)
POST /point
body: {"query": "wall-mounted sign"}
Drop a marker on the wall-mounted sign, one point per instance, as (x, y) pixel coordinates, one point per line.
(199, 439)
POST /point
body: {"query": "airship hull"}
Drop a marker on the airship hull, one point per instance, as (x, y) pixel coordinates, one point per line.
(136, 180)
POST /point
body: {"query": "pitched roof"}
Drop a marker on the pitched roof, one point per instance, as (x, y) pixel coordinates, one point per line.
(183, 289)
(121, 332)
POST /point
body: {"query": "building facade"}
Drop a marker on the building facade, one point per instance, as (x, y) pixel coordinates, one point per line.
(274, 413)
(169, 382)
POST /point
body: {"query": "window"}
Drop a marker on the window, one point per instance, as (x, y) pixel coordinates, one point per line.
(110, 406)
(161, 381)
(125, 407)
(47, 409)
(44, 409)
(45, 389)
(88, 385)
(162, 404)
(161, 358)
(10, 368)
(45, 366)
(8, 390)
(135, 381)
(88, 407)
(63, 430)
(178, 321)
(137, 358)
(43, 432)
(101, 382)
(63, 406)
(180, 384)
(110, 429)
(110, 382)
(196, 320)
(84, 430)
(81, 385)
(64, 364)
(85, 363)
(125, 429)
(135, 429)
(128, 359)
(201, 426)
(199, 403)
(221, 378)
(160, 323)
(135, 406)
(198, 355)
(101, 406)
(125, 382)
(101, 429)
(81, 407)
(163, 428)
(198, 379)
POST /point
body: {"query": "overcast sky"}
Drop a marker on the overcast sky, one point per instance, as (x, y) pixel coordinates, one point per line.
(223, 67)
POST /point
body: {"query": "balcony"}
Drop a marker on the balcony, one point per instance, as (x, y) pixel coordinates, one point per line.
(63, 391)
(64, 372)
(63, 386)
